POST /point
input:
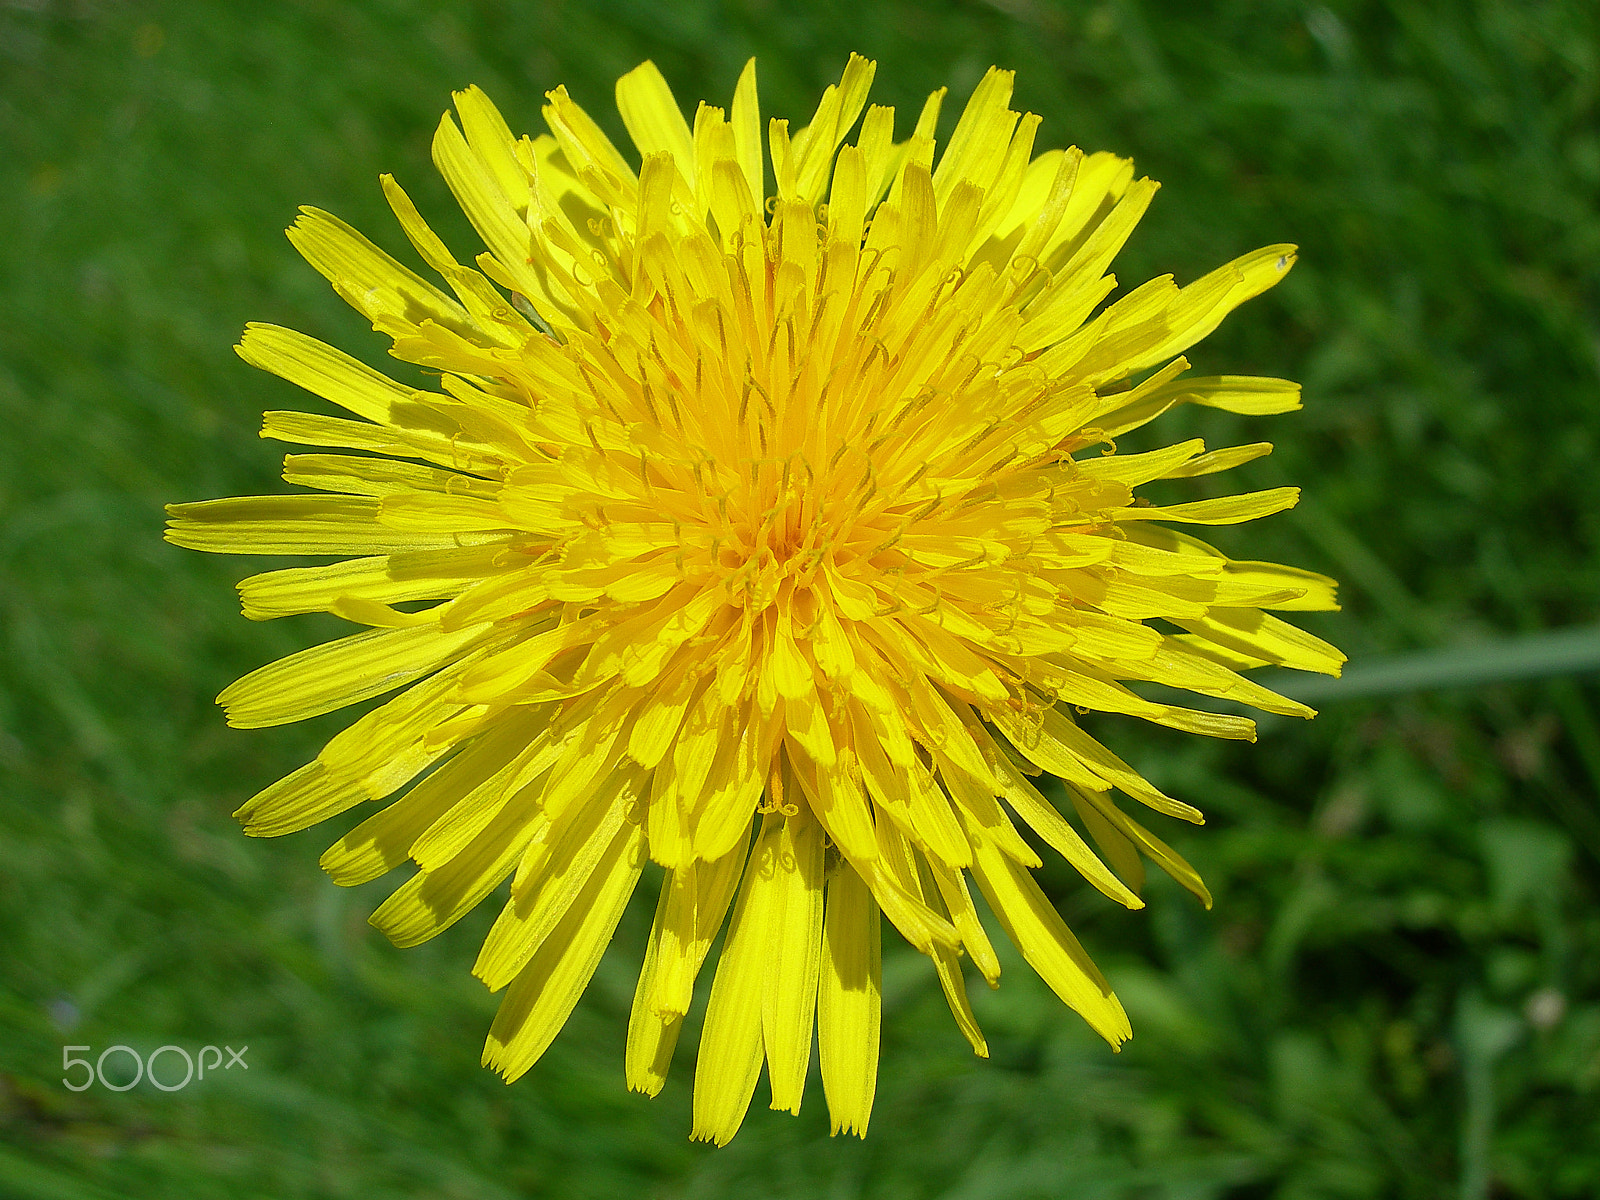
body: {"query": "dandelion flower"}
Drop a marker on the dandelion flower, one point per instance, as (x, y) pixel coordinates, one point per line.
(772, 536)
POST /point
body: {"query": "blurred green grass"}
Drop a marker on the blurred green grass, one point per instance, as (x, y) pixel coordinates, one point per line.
(1398, 991)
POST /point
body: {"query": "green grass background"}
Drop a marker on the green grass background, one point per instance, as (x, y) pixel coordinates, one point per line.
(1398, 991)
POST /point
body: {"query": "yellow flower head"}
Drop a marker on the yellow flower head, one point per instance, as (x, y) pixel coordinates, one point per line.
(791, 513)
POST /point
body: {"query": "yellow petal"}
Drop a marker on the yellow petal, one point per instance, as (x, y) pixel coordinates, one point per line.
(745, 117)
(432, 901)
(836, 114)
(793, 958)
(695, 907)
(1168, 859)
(591, 843)
(1201, 307)
(1048, 945)
(652, 1034)
(1268, 638)
(492, 142)
(981, 136)
(448, 449)
(384, 840)
(1224, 510)
(393, 298)
(1221, 460)
(849, 1002)
(598, 163)
(544, 995)
(951, 885)
(730, 1041)
(653, 118)
(300, 524)
(497, 324)
(321, 370)
(386, 579)
(900, 860)
(1061, 837)
(338, 673)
